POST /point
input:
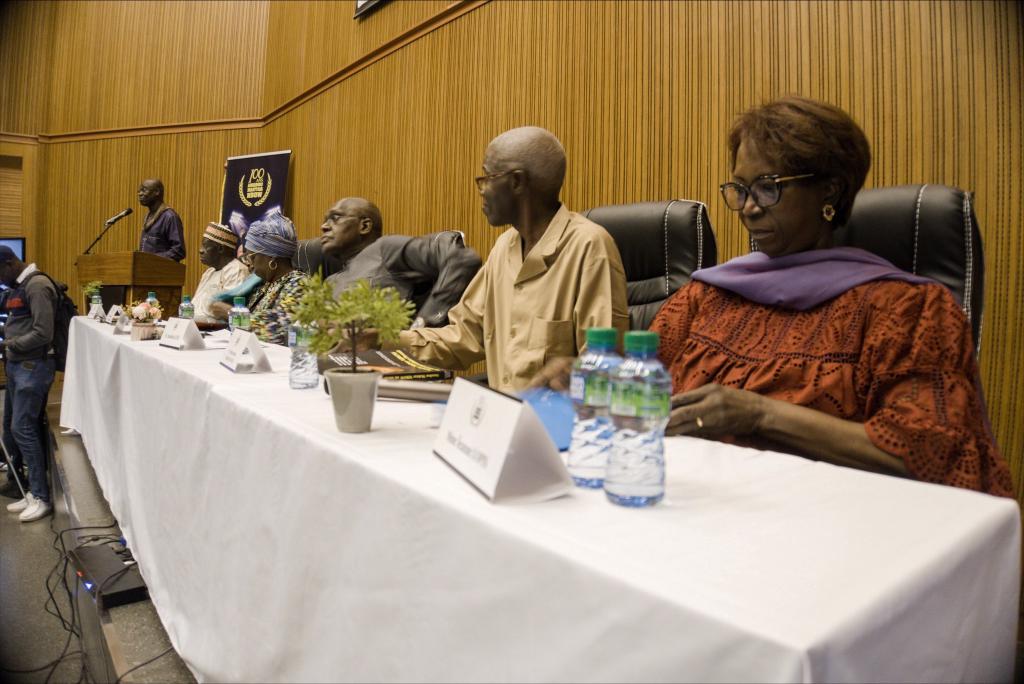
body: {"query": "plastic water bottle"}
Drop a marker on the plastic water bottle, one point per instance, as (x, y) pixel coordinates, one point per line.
(303, 372)
(151, 298)
(96, 300)
(590, 390)
(239, 316)
(186, 309)
(641, 393)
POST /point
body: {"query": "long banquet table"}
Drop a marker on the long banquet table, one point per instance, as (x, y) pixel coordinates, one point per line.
(277, 549)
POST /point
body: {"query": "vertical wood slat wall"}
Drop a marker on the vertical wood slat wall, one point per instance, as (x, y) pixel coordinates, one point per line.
(641, 93)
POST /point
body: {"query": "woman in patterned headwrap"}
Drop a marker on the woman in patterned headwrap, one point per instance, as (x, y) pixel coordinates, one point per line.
(269, 247)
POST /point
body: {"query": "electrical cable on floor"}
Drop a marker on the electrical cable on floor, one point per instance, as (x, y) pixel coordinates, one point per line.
(67, 625)
(143, 664)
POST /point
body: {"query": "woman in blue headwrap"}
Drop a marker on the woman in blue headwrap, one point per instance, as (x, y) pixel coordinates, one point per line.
(269, 247)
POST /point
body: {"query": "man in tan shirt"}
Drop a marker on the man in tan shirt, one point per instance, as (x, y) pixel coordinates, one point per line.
(548, 278)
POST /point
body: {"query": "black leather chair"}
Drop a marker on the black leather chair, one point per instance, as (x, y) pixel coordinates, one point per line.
(433, 297)
(661, 244)
(929, 230)
(310, 257)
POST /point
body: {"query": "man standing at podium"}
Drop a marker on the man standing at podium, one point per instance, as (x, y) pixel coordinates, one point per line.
(162, 232)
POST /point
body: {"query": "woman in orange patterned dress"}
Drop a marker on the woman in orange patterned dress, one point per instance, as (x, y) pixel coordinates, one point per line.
(830, 353)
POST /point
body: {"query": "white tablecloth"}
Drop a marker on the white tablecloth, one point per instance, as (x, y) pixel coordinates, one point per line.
(277, 548)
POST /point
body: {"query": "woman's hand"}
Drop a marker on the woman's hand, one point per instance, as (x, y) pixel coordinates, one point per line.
(716, 411)
(554, 374)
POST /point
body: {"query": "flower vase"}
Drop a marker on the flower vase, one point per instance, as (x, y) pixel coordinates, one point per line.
(143, 331)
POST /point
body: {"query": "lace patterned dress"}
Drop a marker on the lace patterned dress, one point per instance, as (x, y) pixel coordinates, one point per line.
(895, 356)
(272, 305)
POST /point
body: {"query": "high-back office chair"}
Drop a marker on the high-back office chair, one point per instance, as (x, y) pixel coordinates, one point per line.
(310, 258)
(432, 298)
(929, 230)
(661, 244)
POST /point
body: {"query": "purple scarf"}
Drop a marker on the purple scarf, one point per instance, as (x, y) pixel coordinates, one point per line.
(803, 280)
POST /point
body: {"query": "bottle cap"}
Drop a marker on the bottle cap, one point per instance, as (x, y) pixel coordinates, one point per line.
(602, 338)
(151, 295)
(239, 301)
(641, 341)
(186, 299)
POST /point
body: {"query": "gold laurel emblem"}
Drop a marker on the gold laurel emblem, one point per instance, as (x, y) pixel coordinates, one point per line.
(255, 188)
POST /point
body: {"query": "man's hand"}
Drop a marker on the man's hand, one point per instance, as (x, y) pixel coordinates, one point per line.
(220, 310)
(554, 374)
(366, 340)
(715, 411)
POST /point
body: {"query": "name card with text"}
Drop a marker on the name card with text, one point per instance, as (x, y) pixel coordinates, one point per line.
(500, 446)
(182, 333)
(114, 314)
(96, 311)
(244, 354)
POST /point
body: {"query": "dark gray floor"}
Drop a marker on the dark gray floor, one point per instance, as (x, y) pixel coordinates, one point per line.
(112, 642)
(29, 636)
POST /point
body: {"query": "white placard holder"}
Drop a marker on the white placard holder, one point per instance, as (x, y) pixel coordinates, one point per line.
(182, 333)
(96, 311)
(123, 326)
(244, 354)
(500, 446)
(114, 314)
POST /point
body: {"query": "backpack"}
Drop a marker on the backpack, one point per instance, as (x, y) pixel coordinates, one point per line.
(63, 311)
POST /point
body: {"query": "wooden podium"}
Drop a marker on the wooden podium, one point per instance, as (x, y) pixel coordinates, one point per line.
(129, 276)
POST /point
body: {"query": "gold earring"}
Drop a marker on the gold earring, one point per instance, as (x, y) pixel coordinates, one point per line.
(272, 264)
(828, 212)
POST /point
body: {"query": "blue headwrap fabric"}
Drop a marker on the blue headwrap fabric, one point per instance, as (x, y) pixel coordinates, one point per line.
(273, 236)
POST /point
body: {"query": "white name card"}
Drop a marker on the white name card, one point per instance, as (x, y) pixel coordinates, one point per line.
(500, 446)
(244, 354)
(123, 324)
(114, 314)
(96, 311)
(182, 333)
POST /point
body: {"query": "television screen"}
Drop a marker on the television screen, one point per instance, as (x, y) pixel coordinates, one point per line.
(17, 245)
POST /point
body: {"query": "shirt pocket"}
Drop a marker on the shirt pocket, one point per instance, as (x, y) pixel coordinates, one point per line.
(549, 339)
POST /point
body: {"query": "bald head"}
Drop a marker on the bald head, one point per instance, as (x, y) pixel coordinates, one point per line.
(151, 192)
(350, 225)
(362, 208)
(535, 150)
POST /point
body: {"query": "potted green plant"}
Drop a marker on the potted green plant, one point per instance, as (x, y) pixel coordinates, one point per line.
(91, 292)
(361, 313)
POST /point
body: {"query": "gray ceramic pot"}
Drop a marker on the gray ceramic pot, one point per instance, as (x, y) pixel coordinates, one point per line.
(353, 396)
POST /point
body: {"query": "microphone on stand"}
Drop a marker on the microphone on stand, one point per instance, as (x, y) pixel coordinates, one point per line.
(117, 217)
(106, 226)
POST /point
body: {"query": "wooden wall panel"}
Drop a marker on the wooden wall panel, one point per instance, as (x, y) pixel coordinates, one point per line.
(26, 32)
(641, 93)
(25, 156)
(309, 41)
(11, 196)
(190, 165)
(126, 64)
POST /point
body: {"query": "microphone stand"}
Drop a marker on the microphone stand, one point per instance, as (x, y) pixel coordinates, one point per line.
(107, 226)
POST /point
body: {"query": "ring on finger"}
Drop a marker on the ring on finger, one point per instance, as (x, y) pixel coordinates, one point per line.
(700, 422)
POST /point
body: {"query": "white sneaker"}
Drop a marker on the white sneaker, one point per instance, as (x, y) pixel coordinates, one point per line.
(36, 510)
(21, 505)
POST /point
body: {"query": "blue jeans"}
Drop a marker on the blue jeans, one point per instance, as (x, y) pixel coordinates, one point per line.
(28, 384)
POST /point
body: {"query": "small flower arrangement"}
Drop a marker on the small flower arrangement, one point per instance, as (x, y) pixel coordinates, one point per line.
(146, 312)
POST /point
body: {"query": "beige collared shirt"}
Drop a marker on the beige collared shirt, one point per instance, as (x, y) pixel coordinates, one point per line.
(214, 281)
(518, 314)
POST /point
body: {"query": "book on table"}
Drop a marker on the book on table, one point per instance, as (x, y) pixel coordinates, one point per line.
(393, 364)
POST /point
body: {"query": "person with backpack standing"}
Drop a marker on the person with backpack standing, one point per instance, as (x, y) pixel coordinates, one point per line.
(30, 365)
